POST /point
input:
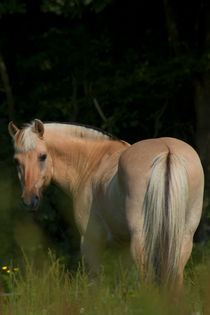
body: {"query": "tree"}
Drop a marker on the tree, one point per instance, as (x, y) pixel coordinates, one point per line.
(7, 89)
(200, 23)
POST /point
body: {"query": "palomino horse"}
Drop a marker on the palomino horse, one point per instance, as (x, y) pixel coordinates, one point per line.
(148, 195)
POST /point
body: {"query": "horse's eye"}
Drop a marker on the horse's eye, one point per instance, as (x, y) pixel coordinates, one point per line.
(42, 157)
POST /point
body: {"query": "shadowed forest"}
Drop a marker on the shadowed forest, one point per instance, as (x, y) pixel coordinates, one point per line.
(137, 69)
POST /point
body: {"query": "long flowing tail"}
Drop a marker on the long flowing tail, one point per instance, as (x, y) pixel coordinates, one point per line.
(164, 212)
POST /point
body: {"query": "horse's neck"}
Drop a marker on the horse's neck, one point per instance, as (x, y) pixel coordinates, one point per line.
(77, 162)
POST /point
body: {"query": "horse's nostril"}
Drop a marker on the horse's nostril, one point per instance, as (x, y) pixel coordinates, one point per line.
(36, 202)
(25, 202)
(32, 203)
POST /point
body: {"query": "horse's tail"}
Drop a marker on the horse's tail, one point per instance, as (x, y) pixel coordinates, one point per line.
(164, 211)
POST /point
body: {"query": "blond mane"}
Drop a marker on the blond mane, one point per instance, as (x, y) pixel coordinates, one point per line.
(78, 131)
(26, 138)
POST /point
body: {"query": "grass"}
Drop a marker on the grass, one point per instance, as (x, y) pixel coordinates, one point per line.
(53, 290)
(43, 286)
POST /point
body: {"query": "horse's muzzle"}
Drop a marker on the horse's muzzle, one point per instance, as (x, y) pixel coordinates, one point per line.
(32, 203)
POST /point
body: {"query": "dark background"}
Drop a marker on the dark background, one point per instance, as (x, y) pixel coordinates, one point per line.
(137, 69)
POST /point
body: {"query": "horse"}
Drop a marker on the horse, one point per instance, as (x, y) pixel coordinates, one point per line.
(147, 195)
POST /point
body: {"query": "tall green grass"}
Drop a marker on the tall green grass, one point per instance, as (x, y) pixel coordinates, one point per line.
(45, 286)
(51, 289)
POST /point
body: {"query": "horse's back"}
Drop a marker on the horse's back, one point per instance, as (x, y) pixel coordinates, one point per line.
(139, 157)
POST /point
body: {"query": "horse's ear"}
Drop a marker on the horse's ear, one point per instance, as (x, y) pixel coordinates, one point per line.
(39, 127)
(12, 129)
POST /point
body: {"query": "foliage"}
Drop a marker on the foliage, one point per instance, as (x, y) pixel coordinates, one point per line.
(12, 7)
(35, 233)
(58, 67)
(73, 7)
(61, 55)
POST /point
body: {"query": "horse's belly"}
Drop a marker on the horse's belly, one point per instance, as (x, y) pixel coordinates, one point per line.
(116, 226)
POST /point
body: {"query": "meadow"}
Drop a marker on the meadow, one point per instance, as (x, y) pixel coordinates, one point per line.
(36, 280)
(51, 289)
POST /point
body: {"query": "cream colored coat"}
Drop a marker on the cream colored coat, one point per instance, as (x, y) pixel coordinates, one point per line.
(147, 196)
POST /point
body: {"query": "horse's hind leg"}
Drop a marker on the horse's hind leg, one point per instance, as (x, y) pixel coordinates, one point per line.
(192, 221)
(135, 225)
(186, 250)
(137, 253)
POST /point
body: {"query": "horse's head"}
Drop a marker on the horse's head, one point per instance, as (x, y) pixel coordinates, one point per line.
(34, 164)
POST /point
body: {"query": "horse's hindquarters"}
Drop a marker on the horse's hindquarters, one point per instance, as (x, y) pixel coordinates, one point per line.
(152, 173)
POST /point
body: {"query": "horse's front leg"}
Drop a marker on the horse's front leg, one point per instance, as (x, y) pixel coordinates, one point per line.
(92, 251)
